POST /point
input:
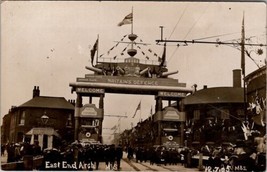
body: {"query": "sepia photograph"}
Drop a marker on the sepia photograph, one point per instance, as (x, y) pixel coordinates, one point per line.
(133, 86)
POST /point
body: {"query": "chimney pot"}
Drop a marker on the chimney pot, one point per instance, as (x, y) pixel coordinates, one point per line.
(205, 86)
(36, 92)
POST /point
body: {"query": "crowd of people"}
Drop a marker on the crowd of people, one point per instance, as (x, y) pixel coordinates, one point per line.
(241, 156)
(77, 156)
(16, 151)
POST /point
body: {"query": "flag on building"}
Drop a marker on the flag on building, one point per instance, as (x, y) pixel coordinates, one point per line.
(151, 113)
(93, 50)
(138, 108)
(163, 58)
(127, 20)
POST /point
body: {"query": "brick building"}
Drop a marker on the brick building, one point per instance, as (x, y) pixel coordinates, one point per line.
(256, 98)
(215, 115)
(20, 120)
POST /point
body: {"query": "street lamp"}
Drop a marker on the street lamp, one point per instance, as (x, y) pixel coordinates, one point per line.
(44, 119)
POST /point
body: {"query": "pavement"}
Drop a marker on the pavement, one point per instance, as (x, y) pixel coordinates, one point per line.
(4, 158)
(132, 165)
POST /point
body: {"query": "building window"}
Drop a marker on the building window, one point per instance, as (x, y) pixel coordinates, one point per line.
(225, 114)
(196, 114)
(35, 137)
(22, 118)
(69, 121)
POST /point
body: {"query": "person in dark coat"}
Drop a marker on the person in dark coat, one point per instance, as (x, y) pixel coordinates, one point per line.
(106, 153)
(112, 156)
(3, 148)
(119, 154)
(98, 153)
(11, 152)
(130, 153)
(36, 148)
(243, 162)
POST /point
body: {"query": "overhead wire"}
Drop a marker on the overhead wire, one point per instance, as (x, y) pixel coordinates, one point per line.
(214, 36)
(190, 30)
(196, 22)
(178, 21)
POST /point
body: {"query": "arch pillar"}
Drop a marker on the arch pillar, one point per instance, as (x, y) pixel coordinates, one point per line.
(78, 105)
(101, 107)
(159, 114)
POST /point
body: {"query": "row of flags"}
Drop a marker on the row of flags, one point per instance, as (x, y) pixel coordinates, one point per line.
(128, 20)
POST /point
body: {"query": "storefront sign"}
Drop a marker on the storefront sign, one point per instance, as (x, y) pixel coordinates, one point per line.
(173, 114)
(171, 94)
(131, 80)
(90, 90)
(89, 111)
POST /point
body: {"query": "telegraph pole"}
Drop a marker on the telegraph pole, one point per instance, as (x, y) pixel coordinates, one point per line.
(242, 45)
(243, 66)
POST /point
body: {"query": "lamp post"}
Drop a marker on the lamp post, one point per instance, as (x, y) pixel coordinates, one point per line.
(44, 119)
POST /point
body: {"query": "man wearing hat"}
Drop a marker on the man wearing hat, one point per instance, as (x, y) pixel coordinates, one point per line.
(243, 162)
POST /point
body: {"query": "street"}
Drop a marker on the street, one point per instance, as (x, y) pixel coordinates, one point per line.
(127, 165)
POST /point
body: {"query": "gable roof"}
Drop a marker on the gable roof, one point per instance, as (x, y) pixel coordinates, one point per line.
(216, 95)
(48, 102)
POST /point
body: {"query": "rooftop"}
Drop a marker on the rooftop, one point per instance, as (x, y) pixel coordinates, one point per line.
(48, 102)
(216, 95)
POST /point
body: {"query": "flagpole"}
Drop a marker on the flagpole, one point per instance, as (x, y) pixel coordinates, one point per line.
(97, 48)
(132, 22)
(243, 63)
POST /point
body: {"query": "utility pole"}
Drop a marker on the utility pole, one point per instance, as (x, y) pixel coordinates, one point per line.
(243, 67)
(161, 32)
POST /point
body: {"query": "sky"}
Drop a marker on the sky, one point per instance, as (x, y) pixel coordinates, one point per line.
(48, 43)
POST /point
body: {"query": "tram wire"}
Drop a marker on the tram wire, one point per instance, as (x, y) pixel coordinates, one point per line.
(178, 21)
(196, 21)
(225, 34)
(189, 31)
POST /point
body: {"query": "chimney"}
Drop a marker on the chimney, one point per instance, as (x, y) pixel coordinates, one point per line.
(205, 86)
(237, 78)
(36, 92)
(194, 88)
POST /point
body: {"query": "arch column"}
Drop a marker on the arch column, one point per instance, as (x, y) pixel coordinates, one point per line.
(159, 114)
(78, 105)
(101, 106)
(182, 109)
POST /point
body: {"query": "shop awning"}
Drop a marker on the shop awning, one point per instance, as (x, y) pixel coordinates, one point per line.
(43, 131)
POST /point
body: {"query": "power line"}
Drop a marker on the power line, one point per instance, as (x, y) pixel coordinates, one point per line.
(195, 22)
(190, 30)
(214, 36)
(208, 42)
(178, 21)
